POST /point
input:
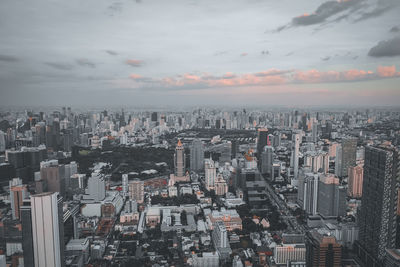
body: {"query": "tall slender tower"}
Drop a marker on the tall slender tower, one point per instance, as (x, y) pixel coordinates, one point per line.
(377, 216)
(18, 192)
(47, 230)
(196, 155)
(295, 154)
(180, 160)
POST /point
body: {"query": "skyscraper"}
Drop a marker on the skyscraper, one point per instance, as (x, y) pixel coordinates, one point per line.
(355, 180)
(322, 250)
(47, 230)
(267, 157)
(18, 192)
(349, 151)
(377, 216)
(295, 154)
(54, 175)
(196, 155)
(27, 235)
(96, 187)
(331, 197)
(210, 174)
(125, 181)
(262, 137)
(179, 160)
(136, 190)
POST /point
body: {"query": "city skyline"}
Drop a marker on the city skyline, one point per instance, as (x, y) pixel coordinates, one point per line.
(200, 52)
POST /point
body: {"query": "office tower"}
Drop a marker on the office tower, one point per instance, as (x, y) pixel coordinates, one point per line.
(125, 187)
(349, 150)
(197, 155)
(18, 192)
(2, 141)
(262, 137)
(310, 198)
(27, 235)
(322, 250)
(221, 187)
(180, 160)
(304, 124)
(96, 187)
(314, 132)
(154, 116)
(295, 154)
(377, 216)
(69, 170)
(47, 230)
(54, 175)
(317, 161)
(136, 190)
(331, 197)
(355, 181)
(338, 161)
(267, 157)
(220, 235)
(210, 174)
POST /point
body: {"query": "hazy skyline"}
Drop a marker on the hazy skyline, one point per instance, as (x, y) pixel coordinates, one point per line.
(199, 52)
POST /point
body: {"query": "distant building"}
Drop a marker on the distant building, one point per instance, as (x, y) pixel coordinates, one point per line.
(196, 155)
(322, 250)
(136, 190)
(210, 174)
(179, 160)
(96, 187)
(221, 187)
(355, 181)
(18, 192)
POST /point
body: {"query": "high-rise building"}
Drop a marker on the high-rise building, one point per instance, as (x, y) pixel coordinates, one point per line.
(54, 175)
(317, 161)
(338, 161)
(2, 141)
(96, 187)
(267, 158)
(220, 235)
(136, 190)
(262, 138)
(295, 154)
(314, 132)
(210, 174)
(27, 235)
(355, 181)
(331, 197)
(322, 250)
(18, 192)
(196, 155)
(125, 182)
(221, 187)
(377, 216)
(310, 198)
(349, 151)
(47, 230)
(180, 160)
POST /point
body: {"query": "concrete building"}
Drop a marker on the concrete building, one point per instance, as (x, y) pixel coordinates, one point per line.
(322, 250)
(136, 190)
(197, 155)
(18, 192)
(47, 229)
(355, 181)
(210, 174)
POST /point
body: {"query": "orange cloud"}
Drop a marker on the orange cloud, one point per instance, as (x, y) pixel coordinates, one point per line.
(134, 62)
(269, 77)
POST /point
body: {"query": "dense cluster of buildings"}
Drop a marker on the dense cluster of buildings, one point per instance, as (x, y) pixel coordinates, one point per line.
(245, 188)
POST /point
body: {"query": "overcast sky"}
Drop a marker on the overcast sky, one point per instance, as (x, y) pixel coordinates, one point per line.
(146, 52)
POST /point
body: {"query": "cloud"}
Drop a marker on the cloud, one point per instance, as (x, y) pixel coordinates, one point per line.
(326, 58)
(111, 52)
(59, 66)
(134, 62)
(8, 58)
(325, 11)
(266, 78)
(243, 54)
(388, 48)
(85, 63)
(395, 29)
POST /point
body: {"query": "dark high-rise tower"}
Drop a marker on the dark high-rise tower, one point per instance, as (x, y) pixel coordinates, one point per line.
(377, 216)
(349, 150)
(196, 155)
(323, 250)
(262, 137)
(179, 160)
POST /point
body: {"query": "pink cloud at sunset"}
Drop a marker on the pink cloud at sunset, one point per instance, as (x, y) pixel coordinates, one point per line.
(269, 77)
